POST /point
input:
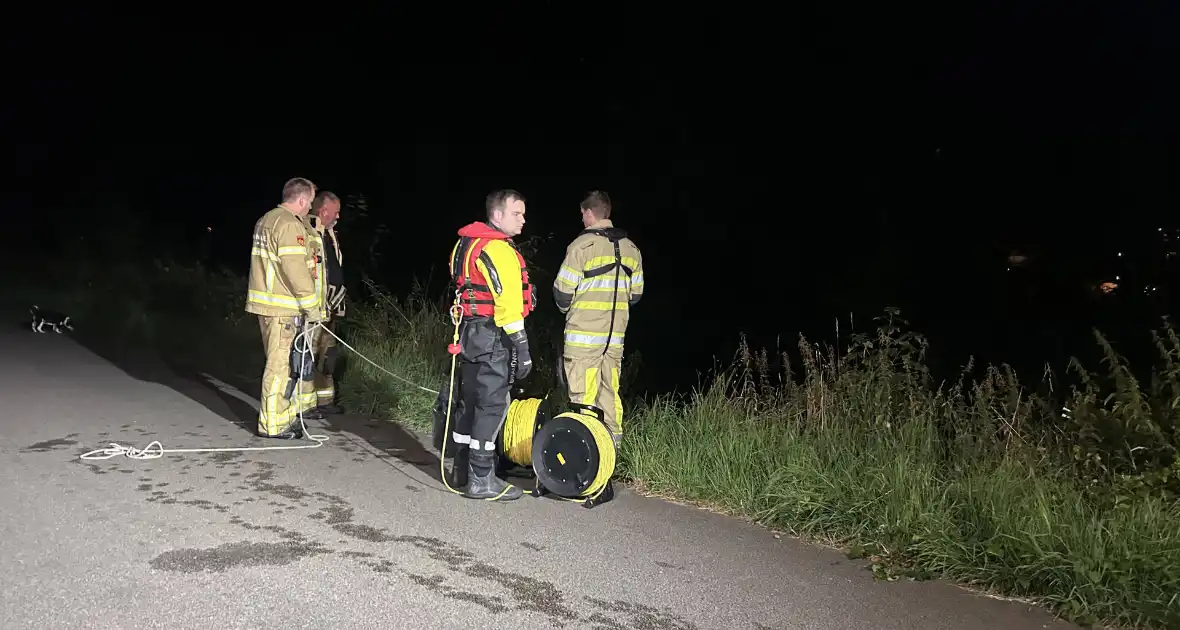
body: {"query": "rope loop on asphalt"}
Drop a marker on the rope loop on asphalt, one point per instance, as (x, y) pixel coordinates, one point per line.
(156, 450)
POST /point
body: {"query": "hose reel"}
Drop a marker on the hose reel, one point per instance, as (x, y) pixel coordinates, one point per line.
(571, 454)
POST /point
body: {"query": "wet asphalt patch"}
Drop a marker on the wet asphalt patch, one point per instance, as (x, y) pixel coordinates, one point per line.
(460, 574)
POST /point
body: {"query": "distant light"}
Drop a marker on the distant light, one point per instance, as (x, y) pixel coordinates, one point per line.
(1120, 253)
(1116, 277)
(209, 228)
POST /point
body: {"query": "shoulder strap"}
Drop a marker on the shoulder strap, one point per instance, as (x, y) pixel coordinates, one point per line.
(614, 235)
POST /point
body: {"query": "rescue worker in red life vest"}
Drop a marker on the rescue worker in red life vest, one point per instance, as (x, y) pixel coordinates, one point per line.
(493, 290)
(599, 282)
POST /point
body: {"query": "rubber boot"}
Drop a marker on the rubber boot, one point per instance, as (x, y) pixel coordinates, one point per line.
(332, 408)
(482, 482)
(460, 466)
(293, 433)
(313, 414)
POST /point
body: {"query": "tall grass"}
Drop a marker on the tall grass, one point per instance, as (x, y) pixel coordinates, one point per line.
(978, 482)
(406, 336)
(1067, 495)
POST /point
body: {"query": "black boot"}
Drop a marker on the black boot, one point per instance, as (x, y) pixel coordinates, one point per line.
(457, 479)
(313, 414)
(293, 433)
(483, 482)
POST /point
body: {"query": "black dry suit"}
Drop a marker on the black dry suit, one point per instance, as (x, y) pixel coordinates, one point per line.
(487, 359)
(481, 395)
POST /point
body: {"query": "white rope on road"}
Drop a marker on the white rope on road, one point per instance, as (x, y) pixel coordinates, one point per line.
(156, 450)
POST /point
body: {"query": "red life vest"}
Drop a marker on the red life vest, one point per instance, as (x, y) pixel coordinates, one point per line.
(475, 297)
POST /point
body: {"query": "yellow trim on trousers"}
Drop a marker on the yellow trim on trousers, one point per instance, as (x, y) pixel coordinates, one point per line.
(276, 414)
(594, 380)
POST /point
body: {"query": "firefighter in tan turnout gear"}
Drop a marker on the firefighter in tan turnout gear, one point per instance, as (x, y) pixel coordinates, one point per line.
(599, 281)
(286, 291)
(325, 212)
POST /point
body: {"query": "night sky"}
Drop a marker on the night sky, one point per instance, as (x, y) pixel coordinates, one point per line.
(777, 170)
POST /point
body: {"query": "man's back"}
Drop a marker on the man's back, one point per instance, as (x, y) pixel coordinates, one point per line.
(603, 270)
(269, 225)
(281, 280)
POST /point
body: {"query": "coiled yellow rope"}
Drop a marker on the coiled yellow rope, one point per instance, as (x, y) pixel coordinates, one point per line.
(521, 425)
(519, 428)
(606, 453)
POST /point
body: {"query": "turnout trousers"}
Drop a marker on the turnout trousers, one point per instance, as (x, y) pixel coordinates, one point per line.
(485, 384)
(326, 351)
(593, 379)
(276, 414)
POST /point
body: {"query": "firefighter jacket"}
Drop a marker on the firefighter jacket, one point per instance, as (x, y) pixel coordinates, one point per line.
(333, 267)
(491, 277)
(286, 267)
(599, 281)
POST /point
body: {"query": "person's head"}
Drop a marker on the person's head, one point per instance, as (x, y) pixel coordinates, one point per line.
(298, 194)
(506, 211)
(326, 207)
(595, 207)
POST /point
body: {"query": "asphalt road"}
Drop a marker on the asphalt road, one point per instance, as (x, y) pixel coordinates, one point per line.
(360, 534)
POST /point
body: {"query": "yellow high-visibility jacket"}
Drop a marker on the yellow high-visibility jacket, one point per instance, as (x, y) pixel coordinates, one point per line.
(498, 274)
(599, 281)
(286, 267)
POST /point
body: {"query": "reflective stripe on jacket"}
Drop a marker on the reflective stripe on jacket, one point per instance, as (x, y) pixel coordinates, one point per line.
(491, 277)
(286, 267)
(333, 263)
(599, 281)
(327, 235)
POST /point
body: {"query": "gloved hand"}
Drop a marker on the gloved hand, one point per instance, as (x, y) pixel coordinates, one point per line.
(524, 360)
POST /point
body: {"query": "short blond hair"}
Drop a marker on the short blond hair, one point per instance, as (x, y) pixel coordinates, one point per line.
(297, 187)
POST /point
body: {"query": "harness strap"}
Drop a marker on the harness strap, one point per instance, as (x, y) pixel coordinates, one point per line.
(467, 245)
(614, 235)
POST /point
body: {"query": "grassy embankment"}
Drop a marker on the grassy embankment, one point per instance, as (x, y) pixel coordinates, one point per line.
(982, 482)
